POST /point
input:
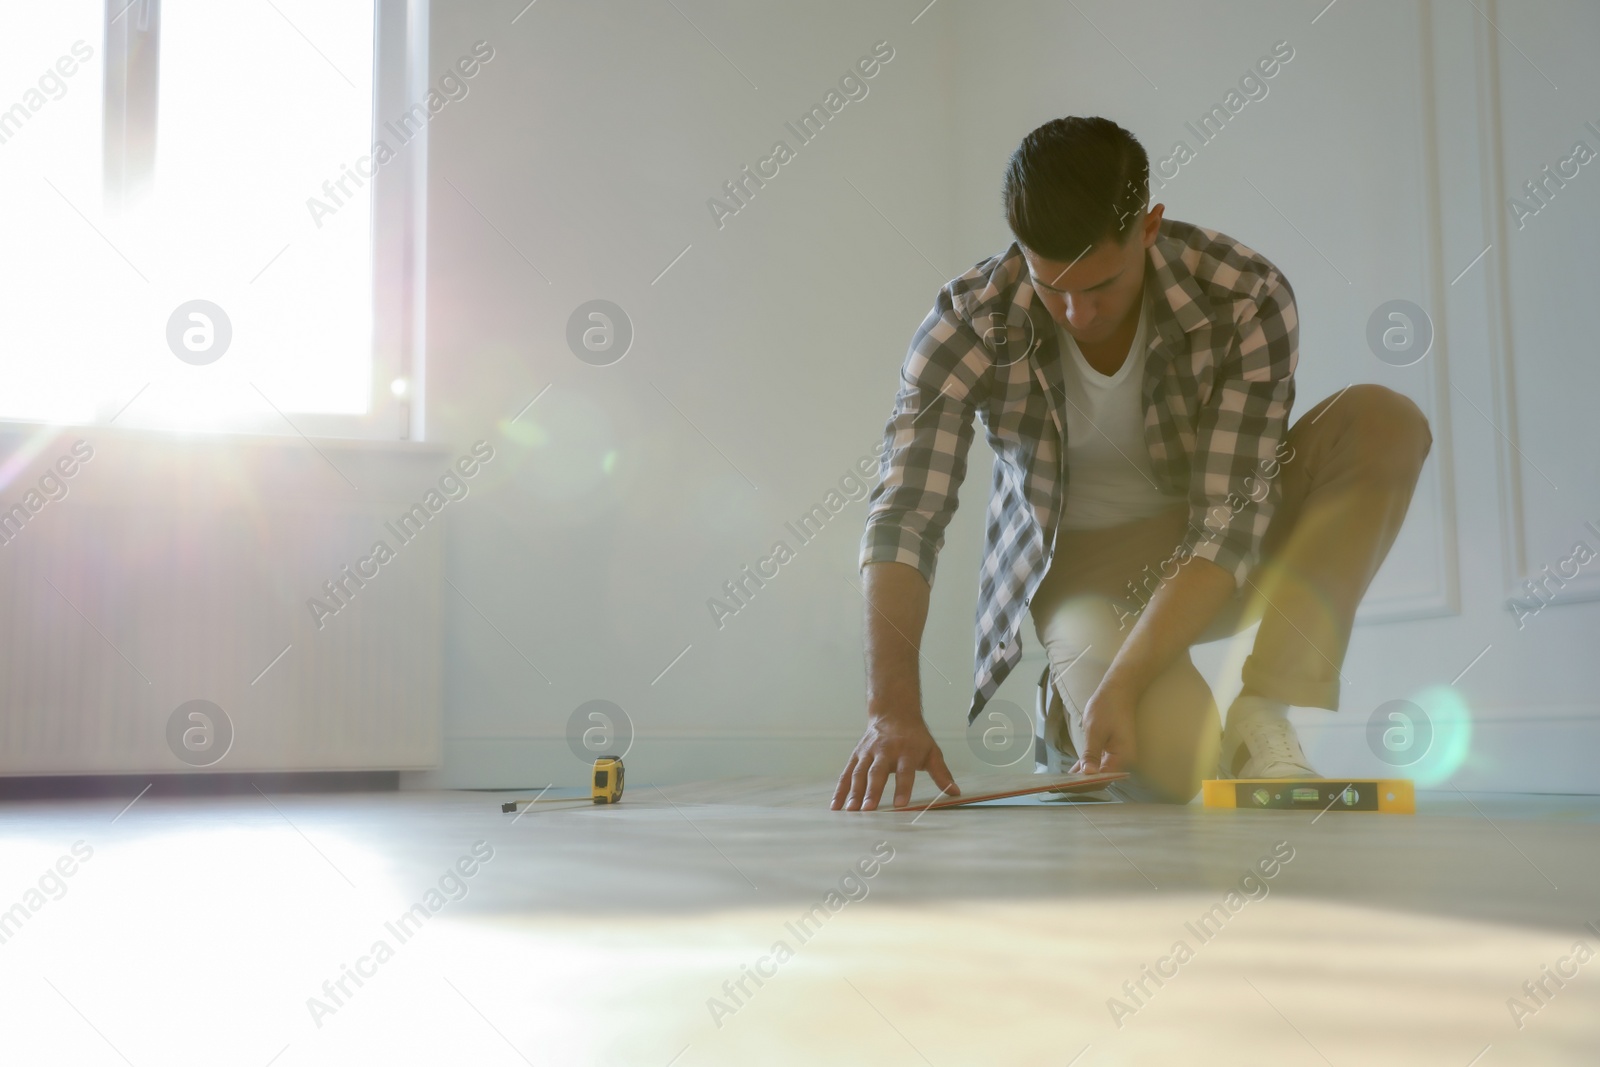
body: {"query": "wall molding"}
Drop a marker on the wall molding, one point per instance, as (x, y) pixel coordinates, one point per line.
(1445, 598)
(1502, 346)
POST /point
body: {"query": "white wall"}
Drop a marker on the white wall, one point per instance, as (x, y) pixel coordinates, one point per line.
(768, 354)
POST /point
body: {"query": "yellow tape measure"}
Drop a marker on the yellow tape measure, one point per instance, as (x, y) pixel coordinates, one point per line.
(605, 787)
(606, 782)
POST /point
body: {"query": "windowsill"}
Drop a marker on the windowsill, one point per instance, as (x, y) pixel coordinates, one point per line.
(201, 470)
(13, 430)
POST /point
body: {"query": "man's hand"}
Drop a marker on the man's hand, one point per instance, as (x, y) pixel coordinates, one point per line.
(1108, 728)
(1175, 616)
(901, 745)
(897, 739)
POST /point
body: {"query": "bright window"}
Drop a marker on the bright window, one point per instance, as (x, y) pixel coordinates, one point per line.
(258, 108)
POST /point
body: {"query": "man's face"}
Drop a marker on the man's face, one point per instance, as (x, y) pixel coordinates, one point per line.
(1094, 295)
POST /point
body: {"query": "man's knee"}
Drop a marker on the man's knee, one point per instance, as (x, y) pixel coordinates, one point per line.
(1172, 786)
(1172, 774)
(1387, 427)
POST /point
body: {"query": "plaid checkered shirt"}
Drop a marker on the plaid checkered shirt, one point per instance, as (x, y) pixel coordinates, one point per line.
(1217, 388)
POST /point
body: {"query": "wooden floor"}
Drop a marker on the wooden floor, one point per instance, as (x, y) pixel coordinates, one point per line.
(217, 930)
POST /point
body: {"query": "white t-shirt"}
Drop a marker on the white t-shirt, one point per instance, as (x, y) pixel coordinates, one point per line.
(1110, 480)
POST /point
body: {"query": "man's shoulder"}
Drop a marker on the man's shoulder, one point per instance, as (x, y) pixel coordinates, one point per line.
(1223, 267)
(987, 283)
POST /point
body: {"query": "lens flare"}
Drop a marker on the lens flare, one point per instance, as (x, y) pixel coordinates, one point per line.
(1451, 720)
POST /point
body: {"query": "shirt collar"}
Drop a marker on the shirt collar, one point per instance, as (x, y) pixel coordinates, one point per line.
(1178, 305)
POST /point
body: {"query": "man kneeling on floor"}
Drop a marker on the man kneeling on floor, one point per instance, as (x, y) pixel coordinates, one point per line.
(1133, 375)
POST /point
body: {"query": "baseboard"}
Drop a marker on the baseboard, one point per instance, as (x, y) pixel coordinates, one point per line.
(55, 787)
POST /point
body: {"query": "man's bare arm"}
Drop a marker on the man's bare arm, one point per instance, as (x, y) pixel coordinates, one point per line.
(897, 738)
(897, 612)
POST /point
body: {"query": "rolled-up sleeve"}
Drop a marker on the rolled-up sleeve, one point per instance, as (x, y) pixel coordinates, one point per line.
(926, 441)
(1234, 485)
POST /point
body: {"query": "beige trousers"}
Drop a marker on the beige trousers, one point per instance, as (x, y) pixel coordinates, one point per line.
(1345, 491)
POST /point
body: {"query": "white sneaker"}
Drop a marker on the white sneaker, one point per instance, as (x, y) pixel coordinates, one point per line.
(1261, 746)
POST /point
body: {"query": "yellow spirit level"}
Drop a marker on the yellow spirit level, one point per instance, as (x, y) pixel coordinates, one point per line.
(1396, 795)
(607, 780)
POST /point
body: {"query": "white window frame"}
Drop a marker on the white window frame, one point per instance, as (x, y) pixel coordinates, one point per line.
(399, 236)
(400, 224)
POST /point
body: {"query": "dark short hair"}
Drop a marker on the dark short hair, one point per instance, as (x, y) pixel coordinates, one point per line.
(1073, 183)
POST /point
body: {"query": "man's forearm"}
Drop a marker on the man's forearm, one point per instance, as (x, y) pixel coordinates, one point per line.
(897, 609)
(1178, 613)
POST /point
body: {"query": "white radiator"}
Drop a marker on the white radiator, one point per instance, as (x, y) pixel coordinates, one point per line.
(164, 570)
